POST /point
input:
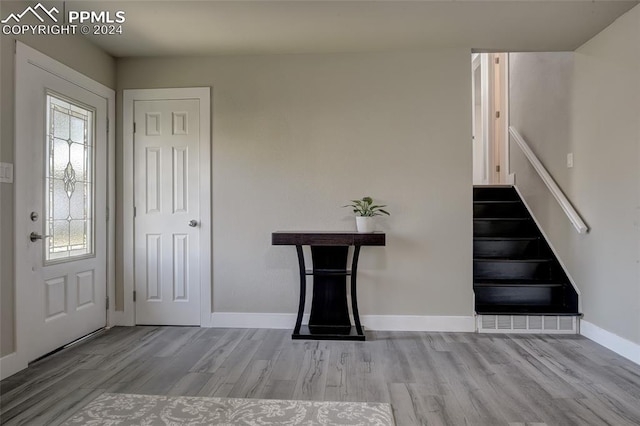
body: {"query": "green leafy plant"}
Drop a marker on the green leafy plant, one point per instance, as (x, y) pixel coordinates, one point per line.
(366, 208)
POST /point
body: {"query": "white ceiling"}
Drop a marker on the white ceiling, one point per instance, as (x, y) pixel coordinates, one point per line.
(160, 28)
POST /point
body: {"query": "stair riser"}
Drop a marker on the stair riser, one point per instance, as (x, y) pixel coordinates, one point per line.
(506, 228)
(517, 296)
(512, 270)
(499, 210)
(495, 194)
(506, 248)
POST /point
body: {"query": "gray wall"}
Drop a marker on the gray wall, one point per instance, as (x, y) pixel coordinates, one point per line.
(606, 138)
(297, 136)
(540, 90)
(588, 104)
(74, 51)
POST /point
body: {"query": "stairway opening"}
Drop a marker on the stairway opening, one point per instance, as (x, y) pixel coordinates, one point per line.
(515, 272)
(489, 78)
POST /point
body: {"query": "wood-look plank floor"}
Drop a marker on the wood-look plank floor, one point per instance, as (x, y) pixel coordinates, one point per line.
(429, 378)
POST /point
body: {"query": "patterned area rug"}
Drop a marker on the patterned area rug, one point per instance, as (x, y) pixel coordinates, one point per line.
(128, 409)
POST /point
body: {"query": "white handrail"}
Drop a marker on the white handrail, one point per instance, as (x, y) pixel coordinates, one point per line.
(564, 202)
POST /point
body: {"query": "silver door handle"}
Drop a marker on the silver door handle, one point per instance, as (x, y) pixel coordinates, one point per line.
(193, 223)
(35, 236)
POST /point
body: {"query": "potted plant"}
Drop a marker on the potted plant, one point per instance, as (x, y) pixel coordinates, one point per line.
(365, 212)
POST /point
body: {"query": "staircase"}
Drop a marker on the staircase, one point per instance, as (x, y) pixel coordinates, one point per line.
(515, 272)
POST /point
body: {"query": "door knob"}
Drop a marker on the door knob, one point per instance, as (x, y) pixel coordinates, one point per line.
(193, 223)
(35, 236)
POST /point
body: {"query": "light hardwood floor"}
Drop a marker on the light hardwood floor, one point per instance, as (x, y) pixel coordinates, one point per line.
(429, 378)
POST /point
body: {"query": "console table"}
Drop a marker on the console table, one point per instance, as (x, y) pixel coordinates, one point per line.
(329, 318)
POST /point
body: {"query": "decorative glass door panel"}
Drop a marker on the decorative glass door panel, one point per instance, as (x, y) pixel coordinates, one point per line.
(69, 180)
(61, 204)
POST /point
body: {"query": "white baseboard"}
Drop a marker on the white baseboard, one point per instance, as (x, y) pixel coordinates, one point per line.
(419, 323)
(371, 322)
(10, 365)
(617, 344)
(253, 320)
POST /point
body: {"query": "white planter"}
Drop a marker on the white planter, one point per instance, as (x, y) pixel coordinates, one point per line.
(365, 224)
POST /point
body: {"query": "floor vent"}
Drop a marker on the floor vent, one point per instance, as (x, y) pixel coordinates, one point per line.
(527, 324)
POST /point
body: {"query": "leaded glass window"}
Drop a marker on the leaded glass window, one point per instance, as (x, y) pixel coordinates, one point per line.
(69, 188)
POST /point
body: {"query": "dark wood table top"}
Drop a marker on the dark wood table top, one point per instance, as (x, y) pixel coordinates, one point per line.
(327, 238)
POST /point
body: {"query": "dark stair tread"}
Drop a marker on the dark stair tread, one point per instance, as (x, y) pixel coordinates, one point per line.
(507, 238)
(512, 259)
(524, 310)
(511, 285)
(491, 282)
(505, 234)
(510, 219)
(494, 191)
(496, 202)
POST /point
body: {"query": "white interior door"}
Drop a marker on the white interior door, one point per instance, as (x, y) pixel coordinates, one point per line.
(61, 210)
(167, 205)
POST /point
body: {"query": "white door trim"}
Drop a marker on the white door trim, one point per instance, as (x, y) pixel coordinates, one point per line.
(509, 179)
(27, 56)
(203, 94)
(487, 121)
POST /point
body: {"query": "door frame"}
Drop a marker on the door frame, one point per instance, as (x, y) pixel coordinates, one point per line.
(478, 116)
(500, 89)
(25, 57)
(495, 131)
(203, 94)
(488, 118)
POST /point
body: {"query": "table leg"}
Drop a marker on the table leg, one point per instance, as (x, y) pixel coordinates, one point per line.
(303, 289)
(354, 294)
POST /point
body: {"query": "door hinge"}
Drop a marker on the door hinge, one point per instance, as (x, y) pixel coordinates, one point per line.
(107, 304)
(135, 212)
(107, 125)
(134, 127)
(498, 168)
(497, 114)
(134, 295)
(497, 60)
(107, 214)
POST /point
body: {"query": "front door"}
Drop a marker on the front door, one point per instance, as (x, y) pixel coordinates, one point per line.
(166, 214)
(61, 211)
